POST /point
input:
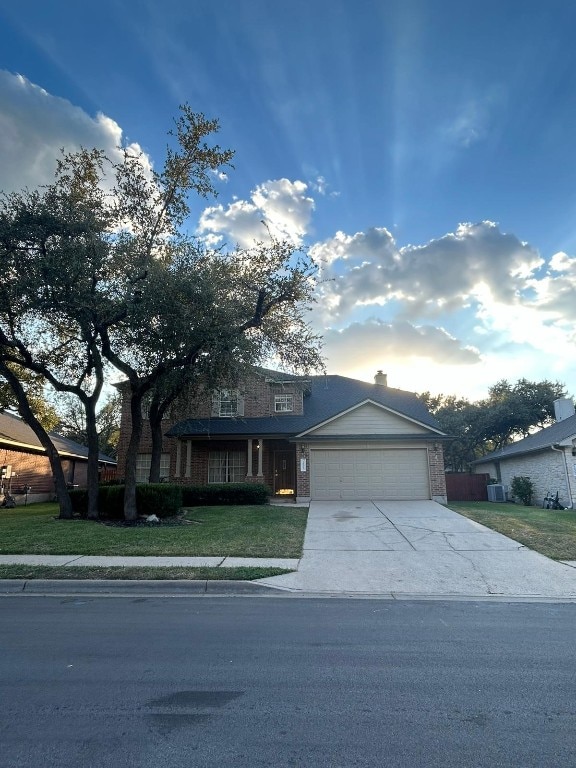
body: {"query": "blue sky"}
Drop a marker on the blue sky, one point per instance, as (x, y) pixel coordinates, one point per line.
(424, 151)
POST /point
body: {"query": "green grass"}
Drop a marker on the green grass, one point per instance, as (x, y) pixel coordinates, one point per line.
(243, 531)
(548, 531)
(189, 574)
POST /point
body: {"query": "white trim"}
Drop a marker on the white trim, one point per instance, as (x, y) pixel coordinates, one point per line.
(178, 458)
(249, 468)
(359, 405)
(286, 399)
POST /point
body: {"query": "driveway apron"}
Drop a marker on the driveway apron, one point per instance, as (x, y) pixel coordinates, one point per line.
(416, 548)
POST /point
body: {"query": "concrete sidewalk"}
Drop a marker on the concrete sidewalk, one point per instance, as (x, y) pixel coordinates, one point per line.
(416, 548)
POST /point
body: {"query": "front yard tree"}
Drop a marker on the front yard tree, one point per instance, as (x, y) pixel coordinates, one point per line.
(207, 315)
(53, 257)
(73, 257)
(71, 421)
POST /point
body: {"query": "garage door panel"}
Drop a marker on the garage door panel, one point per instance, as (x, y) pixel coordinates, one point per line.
(375, 473)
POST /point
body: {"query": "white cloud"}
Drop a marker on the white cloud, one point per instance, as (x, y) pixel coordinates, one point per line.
(376, 244)
(374, 341)
(283, 206)
(432, 279)
(34, 126)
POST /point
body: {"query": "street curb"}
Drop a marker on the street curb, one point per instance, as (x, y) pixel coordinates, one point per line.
(130, 586)
(187, 588)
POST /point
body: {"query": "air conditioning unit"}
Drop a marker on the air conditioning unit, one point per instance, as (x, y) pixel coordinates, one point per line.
(496, 493)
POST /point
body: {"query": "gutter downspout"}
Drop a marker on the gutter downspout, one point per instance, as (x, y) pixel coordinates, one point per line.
(566, 477)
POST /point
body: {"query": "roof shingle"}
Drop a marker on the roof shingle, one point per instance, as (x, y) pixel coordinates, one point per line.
(552, 435)
(327, 397)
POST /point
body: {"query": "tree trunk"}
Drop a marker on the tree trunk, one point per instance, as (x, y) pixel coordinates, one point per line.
(155, 416)
(93, 452)
(25, 412)
(130, 510)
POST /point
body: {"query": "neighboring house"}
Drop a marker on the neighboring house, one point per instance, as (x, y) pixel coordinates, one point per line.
(325, 437)
(547, 457)
(24, 464)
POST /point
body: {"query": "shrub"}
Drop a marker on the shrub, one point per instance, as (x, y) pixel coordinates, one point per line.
(111, 502)
(161, 499)
(79, 500)
(224, 493)
(522, 488)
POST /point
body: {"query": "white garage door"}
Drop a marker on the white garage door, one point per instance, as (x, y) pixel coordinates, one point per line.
(370, 474)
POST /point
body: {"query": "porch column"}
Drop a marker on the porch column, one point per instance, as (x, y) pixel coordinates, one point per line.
(249, 471)
(178, 469)
(260, 452)
(188, 471)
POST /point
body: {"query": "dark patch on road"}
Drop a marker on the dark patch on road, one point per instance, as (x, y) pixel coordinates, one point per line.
(183, 709)
(187, 699)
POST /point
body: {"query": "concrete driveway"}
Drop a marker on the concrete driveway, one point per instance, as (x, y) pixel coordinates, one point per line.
(416, 548)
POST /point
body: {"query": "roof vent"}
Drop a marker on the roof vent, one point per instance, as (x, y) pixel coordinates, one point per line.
(563, 408)
(381, 379)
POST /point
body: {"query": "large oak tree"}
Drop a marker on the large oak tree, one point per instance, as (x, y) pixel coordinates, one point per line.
(102, 272)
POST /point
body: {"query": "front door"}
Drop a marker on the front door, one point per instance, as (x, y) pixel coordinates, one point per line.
(284, 473)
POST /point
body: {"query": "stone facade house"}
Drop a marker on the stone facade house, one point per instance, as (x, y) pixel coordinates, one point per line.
(322, 437)
(547, 457)
(24, 467)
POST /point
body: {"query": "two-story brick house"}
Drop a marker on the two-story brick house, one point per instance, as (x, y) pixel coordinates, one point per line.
(321, 437)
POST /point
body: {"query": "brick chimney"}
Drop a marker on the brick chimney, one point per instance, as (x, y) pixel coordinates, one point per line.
(381, 379)
(563, 408)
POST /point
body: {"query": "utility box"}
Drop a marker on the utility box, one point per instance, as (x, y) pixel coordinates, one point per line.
(496, 492)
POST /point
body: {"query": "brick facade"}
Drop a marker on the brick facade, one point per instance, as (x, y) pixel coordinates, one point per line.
(33, 471)
(549, 470)
(189, 457)
(437, 475)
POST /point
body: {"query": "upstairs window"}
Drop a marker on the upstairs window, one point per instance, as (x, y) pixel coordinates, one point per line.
(227, 403)
(283, 403)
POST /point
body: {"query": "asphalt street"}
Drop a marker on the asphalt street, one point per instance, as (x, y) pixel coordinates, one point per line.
(137, 682)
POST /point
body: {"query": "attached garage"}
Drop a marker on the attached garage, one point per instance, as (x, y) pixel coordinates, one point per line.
(370, 473)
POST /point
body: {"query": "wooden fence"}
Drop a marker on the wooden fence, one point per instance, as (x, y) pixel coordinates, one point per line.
(465, 487)
(108, 475)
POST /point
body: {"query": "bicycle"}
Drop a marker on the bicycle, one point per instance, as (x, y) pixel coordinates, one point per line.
(552, 502)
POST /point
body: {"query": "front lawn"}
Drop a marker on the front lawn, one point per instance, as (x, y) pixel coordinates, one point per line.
(548, 531)
(242, 531)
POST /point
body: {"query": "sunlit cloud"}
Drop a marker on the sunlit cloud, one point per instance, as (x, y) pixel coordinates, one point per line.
(376, 340)
(281, 207)
(35, 126)
(441, 276)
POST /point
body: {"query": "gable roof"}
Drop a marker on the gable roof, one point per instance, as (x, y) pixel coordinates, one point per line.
(17, 435)
(327, 397)
(552, 435)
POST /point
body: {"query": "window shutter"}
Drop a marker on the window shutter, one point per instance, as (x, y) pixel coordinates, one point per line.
(216, 404)
(240, 405)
